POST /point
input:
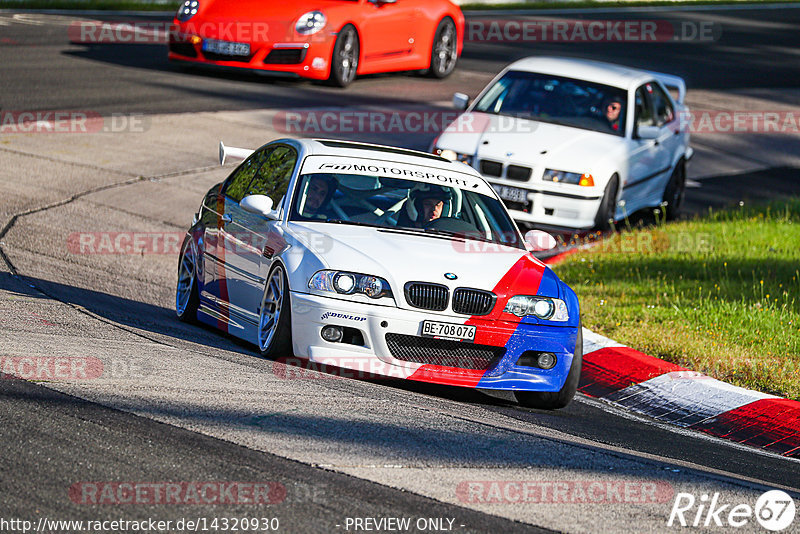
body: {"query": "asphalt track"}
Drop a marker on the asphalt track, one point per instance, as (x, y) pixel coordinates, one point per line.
(184, 403)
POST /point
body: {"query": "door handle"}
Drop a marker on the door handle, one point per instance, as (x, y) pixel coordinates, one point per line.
(226, 218)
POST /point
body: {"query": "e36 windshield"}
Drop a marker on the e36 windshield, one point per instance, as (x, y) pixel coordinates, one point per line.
(402, 204)
(557, 100)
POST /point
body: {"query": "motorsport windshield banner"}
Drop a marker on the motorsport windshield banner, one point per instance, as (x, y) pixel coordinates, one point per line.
(390, 169)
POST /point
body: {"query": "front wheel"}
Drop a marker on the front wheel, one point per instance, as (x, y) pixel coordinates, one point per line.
(553, 400)
(187, 298)
(608, 206)
(344, 62)
(274, 321)
(675, 191)
(444, 52)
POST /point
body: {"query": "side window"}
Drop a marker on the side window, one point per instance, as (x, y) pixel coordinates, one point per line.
(644, 111)
(272, 179)
(662, 106)
(236, 185)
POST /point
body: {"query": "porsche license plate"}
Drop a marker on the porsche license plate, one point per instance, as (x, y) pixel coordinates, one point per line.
(459, 332)
(226, 48)
(514, 194)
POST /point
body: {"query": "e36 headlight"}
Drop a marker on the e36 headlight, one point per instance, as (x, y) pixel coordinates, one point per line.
(310, 23)
(545, 308)
(346, 283)
(576, 178)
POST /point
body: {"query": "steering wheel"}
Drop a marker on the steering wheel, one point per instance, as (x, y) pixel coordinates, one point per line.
(389, 212)
(453, 225)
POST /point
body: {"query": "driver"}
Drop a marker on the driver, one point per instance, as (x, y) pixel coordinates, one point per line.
(426, 204)
(319, 193)
(612, 111)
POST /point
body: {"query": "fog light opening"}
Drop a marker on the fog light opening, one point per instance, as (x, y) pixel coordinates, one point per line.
(546, 360)
(542, 360)
(332, 334)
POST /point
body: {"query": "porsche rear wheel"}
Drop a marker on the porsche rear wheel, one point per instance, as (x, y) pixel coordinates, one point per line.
(274, 321)
(187, 298)
(344, 62)
(444, 52)
(675, 191)
(553, 400)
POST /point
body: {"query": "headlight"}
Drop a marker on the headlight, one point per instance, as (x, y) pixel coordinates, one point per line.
(310, 23)
(187, 10)
(452, 155)
(585, 179)
(542, 307)
(345, 283)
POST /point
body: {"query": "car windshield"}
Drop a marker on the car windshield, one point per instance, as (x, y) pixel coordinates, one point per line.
(405, 205)
(557, 100)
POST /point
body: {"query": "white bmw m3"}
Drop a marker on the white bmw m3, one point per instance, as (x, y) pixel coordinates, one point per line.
(384, 261)
(576, 144)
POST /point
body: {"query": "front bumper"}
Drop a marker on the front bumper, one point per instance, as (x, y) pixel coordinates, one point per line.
(311, 312)
(574, 208)
(309, 59)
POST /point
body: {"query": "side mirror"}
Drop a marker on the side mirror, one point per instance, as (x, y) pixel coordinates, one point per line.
(538, 241)
(648, 132)
(460, 101)
(258, 205)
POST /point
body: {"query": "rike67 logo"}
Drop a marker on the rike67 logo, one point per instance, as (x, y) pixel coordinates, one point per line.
(774, 511)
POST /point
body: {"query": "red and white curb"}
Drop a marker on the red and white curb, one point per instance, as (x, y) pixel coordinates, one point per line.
(676, 395)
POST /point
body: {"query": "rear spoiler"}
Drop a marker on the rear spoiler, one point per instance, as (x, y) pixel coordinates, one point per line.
(671, 82)
(232, 152)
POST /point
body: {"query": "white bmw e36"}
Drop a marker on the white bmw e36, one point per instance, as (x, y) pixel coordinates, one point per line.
(576, 144)
(380, 260)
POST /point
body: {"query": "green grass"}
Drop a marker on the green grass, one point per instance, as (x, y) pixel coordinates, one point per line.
(718, 294)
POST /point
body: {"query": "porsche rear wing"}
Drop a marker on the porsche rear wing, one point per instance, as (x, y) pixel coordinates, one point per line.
(232, 152)
(673, 83)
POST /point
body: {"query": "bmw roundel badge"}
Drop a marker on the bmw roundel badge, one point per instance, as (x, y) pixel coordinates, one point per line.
(450, 276)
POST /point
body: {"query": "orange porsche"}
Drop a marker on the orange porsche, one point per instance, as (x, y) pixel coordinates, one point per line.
(333, 40)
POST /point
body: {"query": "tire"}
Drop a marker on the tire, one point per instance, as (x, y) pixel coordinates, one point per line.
(344, 61)
(547, 400)
(675, 191)
(187, 297)
(608, 206)
(274, 317)
(444, 50)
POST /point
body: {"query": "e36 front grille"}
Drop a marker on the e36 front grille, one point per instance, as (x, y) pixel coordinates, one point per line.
(473, 301)
(427, 296)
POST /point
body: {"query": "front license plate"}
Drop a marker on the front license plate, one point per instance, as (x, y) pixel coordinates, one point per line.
(514, 194)
(460, 332)
(226, 48)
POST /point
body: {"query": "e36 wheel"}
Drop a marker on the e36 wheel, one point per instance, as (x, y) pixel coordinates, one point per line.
(547, 400)
(187, 299)
(274, 321)
(675, 191)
